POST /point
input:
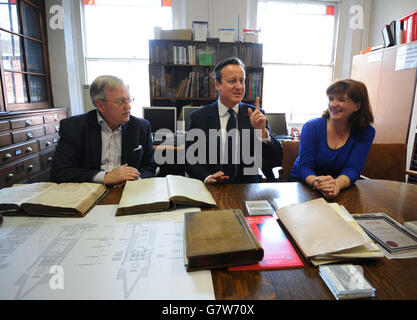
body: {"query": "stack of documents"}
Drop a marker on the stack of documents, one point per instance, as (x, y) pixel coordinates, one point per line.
(346, 281)
(394, 239)
(326, 233)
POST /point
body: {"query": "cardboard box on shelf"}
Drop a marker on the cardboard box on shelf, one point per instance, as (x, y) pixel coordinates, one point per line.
(176, 34)
(250, 35)
(227, 35)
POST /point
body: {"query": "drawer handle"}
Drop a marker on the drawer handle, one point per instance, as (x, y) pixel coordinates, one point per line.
(7, 156)
(30, 167)
(28, 123)
(29, 149)
(49, 159)
(10, 176)
(47, 143)
(29, 135)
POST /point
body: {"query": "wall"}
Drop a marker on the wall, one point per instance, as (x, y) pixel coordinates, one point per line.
(385, 11)
(224, 14)
(352, 35)
(218, 14)
(65, 53)
(376, 13)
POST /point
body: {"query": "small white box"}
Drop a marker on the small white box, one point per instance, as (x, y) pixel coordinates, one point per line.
(250, 37)
(227, 35)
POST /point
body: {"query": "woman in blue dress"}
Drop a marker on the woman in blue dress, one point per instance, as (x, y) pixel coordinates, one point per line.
(333, 148)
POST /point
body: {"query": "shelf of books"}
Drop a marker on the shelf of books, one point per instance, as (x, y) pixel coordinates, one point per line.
(180, 72)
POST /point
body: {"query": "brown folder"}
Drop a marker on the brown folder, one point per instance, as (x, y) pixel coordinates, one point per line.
(219, 238)
(318, 230)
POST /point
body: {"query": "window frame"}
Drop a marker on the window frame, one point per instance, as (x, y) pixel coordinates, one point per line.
(337, 7)
(136, 110)
(5, 106)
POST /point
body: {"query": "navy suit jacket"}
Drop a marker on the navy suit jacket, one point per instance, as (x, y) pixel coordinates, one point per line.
(208, 118)
(78, 153)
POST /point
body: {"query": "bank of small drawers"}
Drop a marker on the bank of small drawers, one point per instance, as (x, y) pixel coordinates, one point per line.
(27, 145)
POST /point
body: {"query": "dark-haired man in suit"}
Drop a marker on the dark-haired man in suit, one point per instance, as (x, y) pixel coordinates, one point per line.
(227, 113)
(106, 145)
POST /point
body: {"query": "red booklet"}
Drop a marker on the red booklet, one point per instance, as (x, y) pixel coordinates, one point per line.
(278, 251)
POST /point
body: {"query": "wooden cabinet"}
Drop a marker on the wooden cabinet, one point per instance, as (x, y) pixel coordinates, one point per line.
(412, 146)
(25, 81)
(392, 91)
(27, 144)
(180, 72)
(28, 123)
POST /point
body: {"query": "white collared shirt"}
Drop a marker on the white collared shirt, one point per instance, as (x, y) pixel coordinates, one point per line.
(224, 117)
(111, 149)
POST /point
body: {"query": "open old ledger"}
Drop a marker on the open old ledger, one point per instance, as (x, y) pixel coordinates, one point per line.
(51, 199)
(158, 194)
(326, 232)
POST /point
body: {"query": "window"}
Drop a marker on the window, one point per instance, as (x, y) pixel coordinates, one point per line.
(24, 68)
(299, 42)
(117, 35)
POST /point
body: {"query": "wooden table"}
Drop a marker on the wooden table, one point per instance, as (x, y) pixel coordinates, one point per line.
(393, 279)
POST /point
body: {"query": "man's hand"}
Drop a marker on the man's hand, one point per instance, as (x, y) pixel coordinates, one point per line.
(258, 119)
(217, 177)
(118, 176)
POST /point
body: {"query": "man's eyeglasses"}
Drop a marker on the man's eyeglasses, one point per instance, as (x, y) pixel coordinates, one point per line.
(122, 102)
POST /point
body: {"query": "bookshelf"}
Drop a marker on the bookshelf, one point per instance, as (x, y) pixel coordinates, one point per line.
(180, 71)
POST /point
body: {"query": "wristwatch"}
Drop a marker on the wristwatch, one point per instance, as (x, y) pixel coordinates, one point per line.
(313, 186)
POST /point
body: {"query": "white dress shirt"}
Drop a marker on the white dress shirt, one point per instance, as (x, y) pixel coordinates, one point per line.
(111, 149)
(224, 117)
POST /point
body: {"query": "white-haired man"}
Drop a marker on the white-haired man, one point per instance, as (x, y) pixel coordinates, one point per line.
(106, 145)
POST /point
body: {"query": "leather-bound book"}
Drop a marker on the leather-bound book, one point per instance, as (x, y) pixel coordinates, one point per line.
(219, 238)
(51, 199)
(163, 193)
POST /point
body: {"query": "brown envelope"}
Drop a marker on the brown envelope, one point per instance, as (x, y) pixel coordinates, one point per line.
(318, 229)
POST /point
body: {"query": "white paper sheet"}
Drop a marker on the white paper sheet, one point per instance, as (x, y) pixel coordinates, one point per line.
(99, 256)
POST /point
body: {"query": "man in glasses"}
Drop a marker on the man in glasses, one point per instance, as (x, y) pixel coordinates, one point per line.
(106, 145)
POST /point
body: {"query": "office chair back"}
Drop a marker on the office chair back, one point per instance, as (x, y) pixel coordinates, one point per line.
(385, 161)
(290, 149)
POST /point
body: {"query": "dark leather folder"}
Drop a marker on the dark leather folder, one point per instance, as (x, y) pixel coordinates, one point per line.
(219, 238)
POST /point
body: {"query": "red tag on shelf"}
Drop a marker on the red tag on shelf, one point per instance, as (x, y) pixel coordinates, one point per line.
(330, 10)
(166, 3)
